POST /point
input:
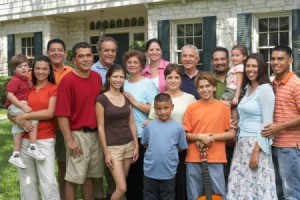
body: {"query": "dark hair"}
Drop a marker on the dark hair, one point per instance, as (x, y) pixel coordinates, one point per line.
(43, 58)
(262, 75)
(210, 77)
(80, 45)
(173, 67)
(111, 70)
(134, 53)
(155, 40)
(162, 97)
(106, 39)
(18, 59)
(241, 48)
(223, 49)
(285, 49)
(59, 41)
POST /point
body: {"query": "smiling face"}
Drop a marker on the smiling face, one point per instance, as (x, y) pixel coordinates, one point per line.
(220, 62)
(189, 58)
(163, 110)
(41, 71)
(133, 65)
(107, 53)
(22, 69)
(173, 81)
(154, 52)
(206, 90)
(280, 63)
(251, 70)
(116, 80)
(237, 57)
(83, 60)
(57, 54)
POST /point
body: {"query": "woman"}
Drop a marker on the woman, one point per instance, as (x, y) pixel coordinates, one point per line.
(252, 173)
(155, 69)
(117, 130)
(42, 99)
(141, 92)
(181, 100)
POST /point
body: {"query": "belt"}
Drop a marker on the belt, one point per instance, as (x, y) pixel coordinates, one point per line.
(86, 129)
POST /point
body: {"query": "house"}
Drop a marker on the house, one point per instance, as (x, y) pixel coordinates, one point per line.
(26, 26)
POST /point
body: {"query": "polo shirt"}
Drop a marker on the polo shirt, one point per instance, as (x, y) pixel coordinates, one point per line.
(60, 74)
(101, 70)
(287, 107)
(188, 86)
(220, 88)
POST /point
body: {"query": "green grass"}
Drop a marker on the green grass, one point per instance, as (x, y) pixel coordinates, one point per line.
(9, 184)
(3, 112)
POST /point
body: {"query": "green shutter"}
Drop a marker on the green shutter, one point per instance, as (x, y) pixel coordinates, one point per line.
(209, 41)
(296, 40)
(10, 51)
(244, 30)
(38, 44)
(163, 28)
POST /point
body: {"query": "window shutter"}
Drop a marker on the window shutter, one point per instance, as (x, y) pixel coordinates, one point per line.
(244, 30)
(163, 28)
(38, 44)
(10, 51)
(209, 41)
(296, 40)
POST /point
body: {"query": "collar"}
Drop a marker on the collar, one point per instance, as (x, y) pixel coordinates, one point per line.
(23, 78)
(284, 80)
(100, 66)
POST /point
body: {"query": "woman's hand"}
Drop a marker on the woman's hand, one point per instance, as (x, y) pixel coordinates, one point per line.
(235, 101)
(253, 163)
(20, 119)
(28, 126)
(74, 148)
(130, 97)
(146, 122)
(109, 161)
(135, 154)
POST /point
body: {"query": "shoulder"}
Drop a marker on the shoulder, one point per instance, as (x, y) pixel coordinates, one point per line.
(188, 97)
(102, 98)
(163, 63)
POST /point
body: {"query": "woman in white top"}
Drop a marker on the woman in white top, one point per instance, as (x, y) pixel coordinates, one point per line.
(173, 75)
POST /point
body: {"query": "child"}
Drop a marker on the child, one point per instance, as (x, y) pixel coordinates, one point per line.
(235, 78)
(163, 137)
(17, 93)
(207, 122)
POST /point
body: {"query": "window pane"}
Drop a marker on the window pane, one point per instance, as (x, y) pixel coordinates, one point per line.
(119, 23)
(141, 21)
(28, 41)
(264, 52)
(180, 30)
(189, 40)
(198, 42)
(179, 58)
(105, 24)
(263, 39)
(94, 48)
(263, 25)
(112, 24)
(284, 38)
(29, 52)
(24, 51)
(189, 29)
(180, 43)
(198, 29)
(273, 24)
(273, 39)
(134, 22)
(284, 23)
(23, 42)
(94, 39)
(98, 25)
(126, 22)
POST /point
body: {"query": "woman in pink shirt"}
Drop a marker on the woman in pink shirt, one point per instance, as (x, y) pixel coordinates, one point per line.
(155, 69)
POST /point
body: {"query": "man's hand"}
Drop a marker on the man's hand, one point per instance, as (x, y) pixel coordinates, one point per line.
(271, 130)
(74, 148)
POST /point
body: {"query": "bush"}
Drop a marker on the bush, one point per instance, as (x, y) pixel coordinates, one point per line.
(3, 82)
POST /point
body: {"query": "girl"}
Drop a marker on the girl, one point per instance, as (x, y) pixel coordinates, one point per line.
(117, 132)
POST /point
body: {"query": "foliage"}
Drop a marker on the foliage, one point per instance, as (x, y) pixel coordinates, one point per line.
(3, 82)
(138, 45)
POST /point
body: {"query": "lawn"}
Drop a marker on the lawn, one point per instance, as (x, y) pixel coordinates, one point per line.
(3, 113)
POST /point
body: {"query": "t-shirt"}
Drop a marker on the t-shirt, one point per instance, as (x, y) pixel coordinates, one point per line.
(161, 157)
(39, 100)
(180, 105)
(76, 98)
(143, 91)
(207, 117)
(231, 79)
(116, 121)
(18, 85)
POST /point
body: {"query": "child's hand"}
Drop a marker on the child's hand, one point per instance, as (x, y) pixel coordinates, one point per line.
(235, 101)
(26, 108)
(30, 84)
(206, 139)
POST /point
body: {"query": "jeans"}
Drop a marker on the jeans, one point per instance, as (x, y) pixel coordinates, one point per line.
(194, 179)
(155, 189)
(286, 162)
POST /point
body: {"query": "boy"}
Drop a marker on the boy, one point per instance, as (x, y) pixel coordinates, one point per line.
(17, 93)
(206, 122)
(163, 137)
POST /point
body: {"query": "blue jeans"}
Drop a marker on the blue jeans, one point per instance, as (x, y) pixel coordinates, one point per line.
(287, 170)
(194, 179)
(155, 189)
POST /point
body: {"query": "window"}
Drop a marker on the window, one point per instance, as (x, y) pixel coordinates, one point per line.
(272, 31)
(27, 48)
(93, 42)
(112, 24)
(119, 23)
(133, 21)
(92, 26)
(188, 33)
(141, 21)
(139, 36)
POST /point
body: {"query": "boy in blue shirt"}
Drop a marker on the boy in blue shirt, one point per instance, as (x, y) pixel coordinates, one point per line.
(163, 137)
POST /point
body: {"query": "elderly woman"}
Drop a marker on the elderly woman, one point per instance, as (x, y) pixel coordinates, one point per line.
(42, 99)
(141, 92)
(155, 69)
(252, 173)
(173, 75)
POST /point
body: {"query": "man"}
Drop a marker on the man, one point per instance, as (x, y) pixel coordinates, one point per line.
(75, 111)
(286, 126)
(56, 51)
(107, 50)
(189, 59)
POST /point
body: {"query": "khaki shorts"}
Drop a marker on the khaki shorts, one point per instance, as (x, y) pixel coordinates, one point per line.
(121, 152)
(90, 164)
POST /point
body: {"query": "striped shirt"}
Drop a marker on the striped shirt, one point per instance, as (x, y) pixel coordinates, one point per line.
(287, 107)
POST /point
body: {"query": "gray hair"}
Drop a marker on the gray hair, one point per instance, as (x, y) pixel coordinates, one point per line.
(190, 46)
(105, 39)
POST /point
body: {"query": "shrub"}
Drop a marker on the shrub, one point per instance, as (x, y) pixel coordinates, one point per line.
(3, 82)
